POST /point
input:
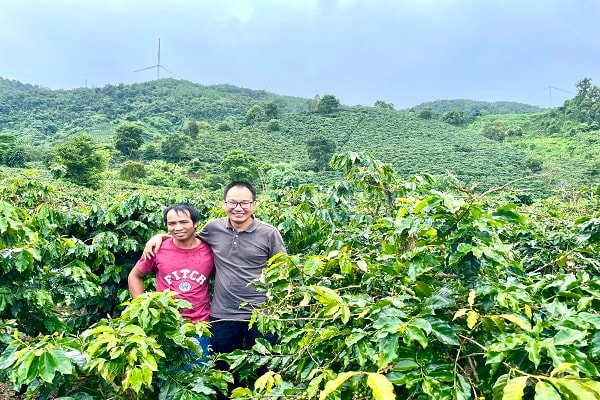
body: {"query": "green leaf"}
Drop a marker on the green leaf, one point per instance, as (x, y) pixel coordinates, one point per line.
(444, 332)
(25, 364)
(533, 348)
(382, 388)
(560, 368)
(573, 389)
(518, 320)
(354, 337)
(422, 324)
(47, 366)
(413, 333)
(514, 388)
(326, 295)
(568, 336)
(9, 356)
(462, 391)
(509, 215)
(545, 391)
(332, 385)
(312, 265)
(313, 386)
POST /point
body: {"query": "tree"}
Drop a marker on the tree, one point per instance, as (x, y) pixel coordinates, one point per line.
(271, 111)
(191, 128)
(254, 114)
(16, 158)
(426, 113)
(239, 165)
(328, 105)
(83, 161)
(128, 138)
(133, 171)
(174, 147)
(8, 143)
(454, 117)
(495, 130)
(384, 105)
(320, 148)
(273, 125)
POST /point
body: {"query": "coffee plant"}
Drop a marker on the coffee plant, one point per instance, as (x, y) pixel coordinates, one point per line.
(393, 289)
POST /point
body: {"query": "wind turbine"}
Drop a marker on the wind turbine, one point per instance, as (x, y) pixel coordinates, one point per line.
(157, 66)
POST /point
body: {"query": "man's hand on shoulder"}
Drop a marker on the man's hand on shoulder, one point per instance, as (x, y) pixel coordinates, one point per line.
(153, 245)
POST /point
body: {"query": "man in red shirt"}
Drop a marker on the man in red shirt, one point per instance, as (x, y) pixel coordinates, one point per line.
(183, 265)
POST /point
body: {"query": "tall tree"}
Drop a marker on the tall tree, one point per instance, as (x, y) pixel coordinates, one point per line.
(328, 104)
(174, 147)
(271, 111)
(83, 161)
(383, 104)
(128, 138)
(8, 144)
(254, 114)
(239, 165)
(320, 148)
(191, 128)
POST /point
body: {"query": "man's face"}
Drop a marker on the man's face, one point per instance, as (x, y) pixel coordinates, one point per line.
(239, 206)
(180, 225)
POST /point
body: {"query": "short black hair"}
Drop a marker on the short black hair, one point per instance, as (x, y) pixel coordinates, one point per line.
(242, 184)
(182, 207)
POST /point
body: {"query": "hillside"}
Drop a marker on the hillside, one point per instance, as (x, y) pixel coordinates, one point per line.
(162, 106)
(411, 144)
(470, 108)
(557, 146)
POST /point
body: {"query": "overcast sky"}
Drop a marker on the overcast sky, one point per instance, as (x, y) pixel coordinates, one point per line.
(401, 51)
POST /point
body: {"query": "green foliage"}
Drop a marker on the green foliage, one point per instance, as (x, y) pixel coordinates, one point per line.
(454, 117)
(133, 171)
(191, 128)
(427, 113)
(11, 154)
(495, 130)
(320, 148)
(128, 138)
(384, 105)
(239, 165)
(274, 125)
(393, 288)
(254, 114)
(328, 105)
(175, 147)
(83, 160)
(141, 352)
(565, 139)
(271, 111)
(473, 108)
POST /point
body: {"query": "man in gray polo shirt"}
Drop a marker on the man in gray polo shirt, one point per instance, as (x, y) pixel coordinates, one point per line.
(241, 245)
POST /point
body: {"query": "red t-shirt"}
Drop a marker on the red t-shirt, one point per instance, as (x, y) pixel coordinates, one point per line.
(185, 271)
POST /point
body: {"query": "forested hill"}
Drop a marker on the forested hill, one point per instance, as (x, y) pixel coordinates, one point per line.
(472, 108)
(162, 105)
(211, 133)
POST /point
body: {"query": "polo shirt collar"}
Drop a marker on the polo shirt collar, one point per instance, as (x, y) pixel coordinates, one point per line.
(251, 228)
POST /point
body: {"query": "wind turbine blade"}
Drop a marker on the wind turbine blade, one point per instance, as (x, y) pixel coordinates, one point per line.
(158, 51)
(143, 69)
(165, 69)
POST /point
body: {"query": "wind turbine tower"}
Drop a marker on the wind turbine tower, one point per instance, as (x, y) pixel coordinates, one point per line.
(158, 66)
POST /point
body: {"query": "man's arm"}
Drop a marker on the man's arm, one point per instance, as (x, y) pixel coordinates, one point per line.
(153, 245)
(135, 282)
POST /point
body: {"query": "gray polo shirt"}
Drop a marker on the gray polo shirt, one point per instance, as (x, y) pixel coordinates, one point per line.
(239, 258)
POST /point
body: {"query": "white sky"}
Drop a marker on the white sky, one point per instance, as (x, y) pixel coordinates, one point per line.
(401, 51)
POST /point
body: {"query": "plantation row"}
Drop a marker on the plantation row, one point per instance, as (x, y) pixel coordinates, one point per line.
(392, 289)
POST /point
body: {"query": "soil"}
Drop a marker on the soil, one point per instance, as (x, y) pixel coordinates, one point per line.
(7, 393)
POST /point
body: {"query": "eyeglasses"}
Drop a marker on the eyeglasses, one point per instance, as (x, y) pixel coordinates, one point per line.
(245, 204)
